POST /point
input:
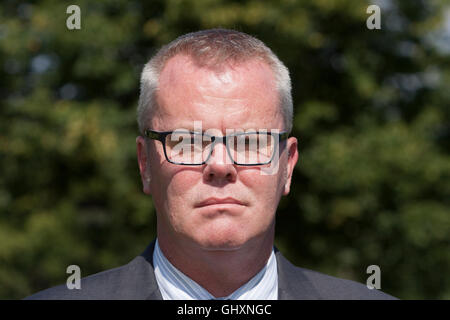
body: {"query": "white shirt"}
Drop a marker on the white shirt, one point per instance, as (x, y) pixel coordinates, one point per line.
(174, 285)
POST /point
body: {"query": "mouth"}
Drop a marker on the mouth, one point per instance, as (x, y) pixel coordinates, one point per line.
(219, 201)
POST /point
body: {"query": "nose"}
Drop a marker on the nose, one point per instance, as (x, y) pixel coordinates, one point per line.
(219, 167)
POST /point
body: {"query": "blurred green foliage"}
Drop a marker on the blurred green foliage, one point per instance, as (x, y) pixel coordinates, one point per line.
(371, 113)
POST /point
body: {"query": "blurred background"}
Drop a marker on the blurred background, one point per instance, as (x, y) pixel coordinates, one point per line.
(372, 111)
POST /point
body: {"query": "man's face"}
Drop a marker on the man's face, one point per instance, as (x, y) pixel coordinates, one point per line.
(242, 97)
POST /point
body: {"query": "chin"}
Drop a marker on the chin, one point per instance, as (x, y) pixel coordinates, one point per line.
(221, 247)
(218, 242)
(227, 231)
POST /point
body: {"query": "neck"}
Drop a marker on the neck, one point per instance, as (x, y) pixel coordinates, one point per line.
(220, 272)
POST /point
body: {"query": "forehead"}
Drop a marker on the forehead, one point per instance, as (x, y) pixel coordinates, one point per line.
(236, 96)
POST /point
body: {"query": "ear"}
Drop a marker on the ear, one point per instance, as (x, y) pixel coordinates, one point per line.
(144, 163)
(291, 162)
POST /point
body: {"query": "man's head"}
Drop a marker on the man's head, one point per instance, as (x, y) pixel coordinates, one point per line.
(214, 49)
(224, 80)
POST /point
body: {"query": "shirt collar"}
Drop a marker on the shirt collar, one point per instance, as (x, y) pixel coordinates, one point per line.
(175, 285)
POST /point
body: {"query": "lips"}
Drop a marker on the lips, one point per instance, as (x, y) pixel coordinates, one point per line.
(214, 201)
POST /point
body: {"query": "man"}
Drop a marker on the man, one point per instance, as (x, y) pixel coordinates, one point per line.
(214, 112)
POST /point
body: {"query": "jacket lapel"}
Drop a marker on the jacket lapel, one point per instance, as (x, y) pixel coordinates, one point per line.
(151, 288)
(292, 282)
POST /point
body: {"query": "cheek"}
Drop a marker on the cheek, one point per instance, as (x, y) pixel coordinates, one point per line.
(175, 183)
(173, 198)
(183, 183)
(265, 190)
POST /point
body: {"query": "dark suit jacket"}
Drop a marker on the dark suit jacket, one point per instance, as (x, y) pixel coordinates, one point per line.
(136, 281)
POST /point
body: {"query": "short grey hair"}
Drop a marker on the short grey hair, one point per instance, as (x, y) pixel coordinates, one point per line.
(213, 48)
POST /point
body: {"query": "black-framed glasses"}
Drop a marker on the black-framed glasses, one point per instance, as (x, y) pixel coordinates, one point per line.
(195, 148)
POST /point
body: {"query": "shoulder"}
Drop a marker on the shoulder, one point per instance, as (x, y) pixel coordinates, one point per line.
(301, 283)
(131, 281)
